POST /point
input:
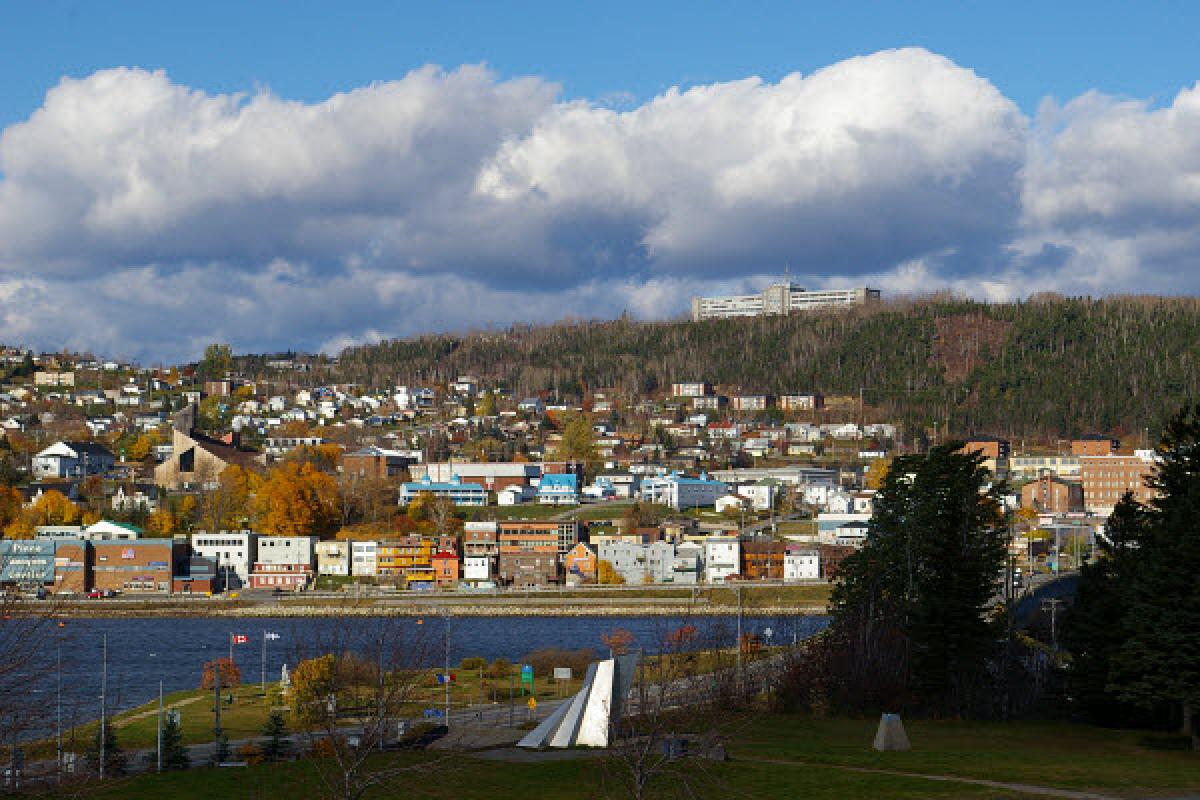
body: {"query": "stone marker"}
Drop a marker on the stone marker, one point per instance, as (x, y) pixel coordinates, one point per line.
(891, 735)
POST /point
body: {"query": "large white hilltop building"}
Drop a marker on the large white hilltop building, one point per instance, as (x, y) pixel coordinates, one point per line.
(779, 299)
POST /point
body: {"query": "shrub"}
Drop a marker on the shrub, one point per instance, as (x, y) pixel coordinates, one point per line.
(499, 668)
(473, 663)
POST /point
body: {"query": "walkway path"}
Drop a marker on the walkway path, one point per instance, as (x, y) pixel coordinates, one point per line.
(1023, 788)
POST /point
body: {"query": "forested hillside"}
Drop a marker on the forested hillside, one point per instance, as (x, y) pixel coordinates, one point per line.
(1046, 368)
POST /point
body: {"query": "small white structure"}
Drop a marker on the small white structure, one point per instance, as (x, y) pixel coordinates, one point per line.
(586, 719)
(891, 735)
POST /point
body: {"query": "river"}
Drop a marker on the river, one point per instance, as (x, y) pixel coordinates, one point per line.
(143, 651)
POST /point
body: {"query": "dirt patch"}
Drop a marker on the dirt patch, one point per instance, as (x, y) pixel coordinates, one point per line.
(963, 340)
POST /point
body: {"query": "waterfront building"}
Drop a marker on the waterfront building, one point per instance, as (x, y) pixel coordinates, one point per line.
(801, 563)
(333, 558)
(233, 552)
(722, 558)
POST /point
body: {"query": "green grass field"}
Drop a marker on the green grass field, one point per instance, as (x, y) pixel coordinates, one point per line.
(773, 756)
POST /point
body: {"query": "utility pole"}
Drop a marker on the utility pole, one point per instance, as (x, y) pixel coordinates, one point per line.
(160, 724)
(382, 700)
(739, 632)
(217, 708)
(58, 744)
(103, 705)
(1054, 603)
(446, 677)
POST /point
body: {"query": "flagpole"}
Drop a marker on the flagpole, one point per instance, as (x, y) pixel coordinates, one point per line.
(264, 665)
(231, 650)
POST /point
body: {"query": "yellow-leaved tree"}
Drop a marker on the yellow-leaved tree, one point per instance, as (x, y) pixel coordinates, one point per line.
(606, 573)
(298, 500)
(54, 508)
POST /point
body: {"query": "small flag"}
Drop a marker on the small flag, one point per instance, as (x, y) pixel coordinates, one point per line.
(270, 637)
(240, 638)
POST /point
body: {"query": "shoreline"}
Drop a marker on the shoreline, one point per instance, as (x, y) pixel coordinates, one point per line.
(434, 610)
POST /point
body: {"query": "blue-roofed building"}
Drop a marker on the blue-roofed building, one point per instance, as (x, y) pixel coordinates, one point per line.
(559, 490)
(459, 493)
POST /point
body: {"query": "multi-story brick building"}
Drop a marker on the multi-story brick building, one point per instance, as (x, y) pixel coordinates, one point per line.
(1095, 445)
(1052, 495)
(1106, 479)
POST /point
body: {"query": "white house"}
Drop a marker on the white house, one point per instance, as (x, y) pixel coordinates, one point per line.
(479, 570)
(559, 489)
(801, 564)
(732, 502)
(515, 495)
(722, 558)
(136, 496)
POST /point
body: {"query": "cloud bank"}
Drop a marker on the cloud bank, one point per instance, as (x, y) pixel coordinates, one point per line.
(145, 218)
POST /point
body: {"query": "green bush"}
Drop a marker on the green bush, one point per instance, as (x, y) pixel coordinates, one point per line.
(473, 663)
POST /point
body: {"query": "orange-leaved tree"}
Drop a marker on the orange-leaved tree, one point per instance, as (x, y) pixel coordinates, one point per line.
(298, 500)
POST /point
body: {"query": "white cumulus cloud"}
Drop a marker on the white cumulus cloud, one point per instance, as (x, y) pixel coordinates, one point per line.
(145, 218)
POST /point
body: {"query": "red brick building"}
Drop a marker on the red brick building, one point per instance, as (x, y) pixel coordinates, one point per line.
(142, 565)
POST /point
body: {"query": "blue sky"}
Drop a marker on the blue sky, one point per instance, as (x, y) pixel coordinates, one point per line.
(311, 175)
(309, 50)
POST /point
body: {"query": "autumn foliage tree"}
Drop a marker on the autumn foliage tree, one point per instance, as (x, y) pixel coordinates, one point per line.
(296, 499)
(231, 674)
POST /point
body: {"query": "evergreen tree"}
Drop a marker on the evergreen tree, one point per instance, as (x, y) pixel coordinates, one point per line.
(174, 754)
(115, 763)
(924, 579)
(1097, 625)
(278, 744)
(1160, 660)
(221, 751)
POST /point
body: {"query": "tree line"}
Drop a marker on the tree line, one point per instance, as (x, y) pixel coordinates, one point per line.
(1046, 368)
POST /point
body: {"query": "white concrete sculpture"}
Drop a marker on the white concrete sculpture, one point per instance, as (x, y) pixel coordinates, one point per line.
(586, 718)
(891, 735)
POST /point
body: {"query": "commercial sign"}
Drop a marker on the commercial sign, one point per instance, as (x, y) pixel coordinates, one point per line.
(127, 553)
(562, 673)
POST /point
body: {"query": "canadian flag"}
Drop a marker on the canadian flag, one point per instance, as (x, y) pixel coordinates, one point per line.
(240, 638)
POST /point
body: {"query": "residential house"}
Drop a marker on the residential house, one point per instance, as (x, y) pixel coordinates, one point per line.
(579, 565)
(801, 563)
(72, 460)
(333, 558)
(559, 490)
(722, 558)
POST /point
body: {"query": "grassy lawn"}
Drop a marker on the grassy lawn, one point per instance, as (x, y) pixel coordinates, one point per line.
(1038, 753)
(1043, 753)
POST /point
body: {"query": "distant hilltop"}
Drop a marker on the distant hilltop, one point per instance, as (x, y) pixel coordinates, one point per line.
(1044, 368)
